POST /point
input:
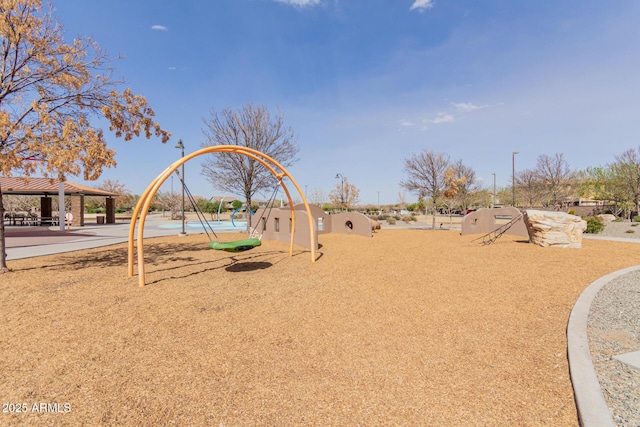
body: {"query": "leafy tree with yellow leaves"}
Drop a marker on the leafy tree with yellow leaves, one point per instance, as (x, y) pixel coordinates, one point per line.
(49, 92)
(345, 195)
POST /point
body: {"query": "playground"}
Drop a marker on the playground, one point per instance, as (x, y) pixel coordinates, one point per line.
(409, 327)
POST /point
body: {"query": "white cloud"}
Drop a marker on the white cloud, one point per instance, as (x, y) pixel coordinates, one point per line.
(467, 106)
(159, 28)
(172, 68)
(300, 3)
(425, 123)
(443, 117)
(421, 5)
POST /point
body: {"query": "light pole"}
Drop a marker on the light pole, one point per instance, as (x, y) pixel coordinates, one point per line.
(378, 202)
(513, 177)
(494, 190)
(180, 145)
(339, 175)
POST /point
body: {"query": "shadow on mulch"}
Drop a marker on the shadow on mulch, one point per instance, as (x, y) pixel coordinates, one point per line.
(114, 257)
(172, 260)
(248, 266)
(231, 264)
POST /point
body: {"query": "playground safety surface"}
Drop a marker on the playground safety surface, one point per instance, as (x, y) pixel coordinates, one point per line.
(410, 327)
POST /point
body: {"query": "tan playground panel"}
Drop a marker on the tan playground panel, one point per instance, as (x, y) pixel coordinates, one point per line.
(486, 220)
(276, 224)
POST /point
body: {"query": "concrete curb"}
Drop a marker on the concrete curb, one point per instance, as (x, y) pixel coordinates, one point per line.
(592, 408)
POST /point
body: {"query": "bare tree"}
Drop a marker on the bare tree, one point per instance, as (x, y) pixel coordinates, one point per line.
(124, 198)
(555, 178)
(529, 187)
(317, 196)
(49, 92)
(345, 194)
(402, 199)
(426, 176)
(251, 127)
(19, 203)
(169, 201)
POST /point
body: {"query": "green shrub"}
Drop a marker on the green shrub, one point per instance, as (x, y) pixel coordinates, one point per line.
(636, 218)
(571, 212)
(630, 231)
(391, 220)
(594, 225)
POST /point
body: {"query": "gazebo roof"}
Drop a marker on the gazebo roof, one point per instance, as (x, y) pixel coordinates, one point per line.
(47, 187)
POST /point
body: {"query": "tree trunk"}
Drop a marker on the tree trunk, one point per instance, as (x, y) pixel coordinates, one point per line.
(3, 247)
(248, 211)
(433, 218)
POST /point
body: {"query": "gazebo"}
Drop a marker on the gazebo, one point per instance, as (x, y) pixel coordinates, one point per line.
(46, 188)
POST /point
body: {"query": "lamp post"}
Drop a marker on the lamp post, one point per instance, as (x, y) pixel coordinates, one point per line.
(494, 190)
(339, 175)
(513, 177)
(180, 145)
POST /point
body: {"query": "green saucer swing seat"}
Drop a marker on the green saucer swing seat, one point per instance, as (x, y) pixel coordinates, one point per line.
(236, 246)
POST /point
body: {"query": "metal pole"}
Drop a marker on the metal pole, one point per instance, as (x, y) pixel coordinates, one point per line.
(343, 202)
(180, 145)
(513, 178)
(494, 190)
(183, 232)
(339, 175)
(61, 213)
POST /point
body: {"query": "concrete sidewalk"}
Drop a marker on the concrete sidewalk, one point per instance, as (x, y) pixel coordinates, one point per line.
(27, 242)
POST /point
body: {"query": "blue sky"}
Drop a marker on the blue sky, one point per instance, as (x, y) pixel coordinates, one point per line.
(366, 83)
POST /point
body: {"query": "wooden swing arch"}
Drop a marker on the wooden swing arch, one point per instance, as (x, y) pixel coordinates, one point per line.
(142, 207)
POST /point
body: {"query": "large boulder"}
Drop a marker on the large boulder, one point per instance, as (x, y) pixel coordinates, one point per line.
(556, 229)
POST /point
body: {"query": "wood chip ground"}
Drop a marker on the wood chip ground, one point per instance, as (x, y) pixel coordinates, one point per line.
(410, 327)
